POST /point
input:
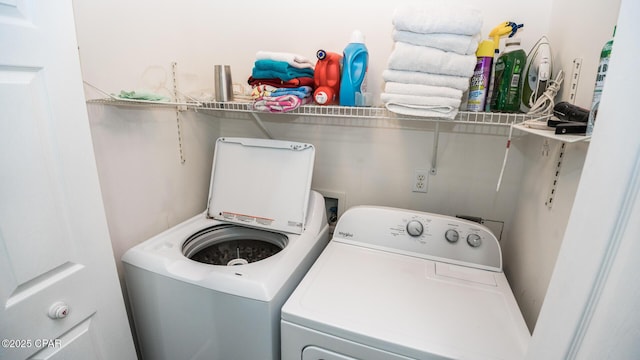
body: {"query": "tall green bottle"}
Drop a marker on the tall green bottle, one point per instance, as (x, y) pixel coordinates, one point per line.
(508, 76)
(605, 54)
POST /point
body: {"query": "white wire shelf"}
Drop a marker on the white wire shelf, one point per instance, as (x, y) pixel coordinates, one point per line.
(467, 117)
(550, 134)
(143, 103)
(504, 119)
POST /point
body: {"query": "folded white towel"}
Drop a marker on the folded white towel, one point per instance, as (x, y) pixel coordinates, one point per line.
(422, 90)
(426, 59)
(429, 106)
(438, 17)
(415, 77)
(420, 100)
(430, 111)
(294, 60)
(461, 44)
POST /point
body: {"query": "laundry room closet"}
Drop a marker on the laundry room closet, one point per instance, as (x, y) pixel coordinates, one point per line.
(154, 162)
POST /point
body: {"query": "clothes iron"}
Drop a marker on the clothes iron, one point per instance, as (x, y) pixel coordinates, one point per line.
(538, 70)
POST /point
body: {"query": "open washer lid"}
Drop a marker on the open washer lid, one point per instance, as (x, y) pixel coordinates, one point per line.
(261, 183)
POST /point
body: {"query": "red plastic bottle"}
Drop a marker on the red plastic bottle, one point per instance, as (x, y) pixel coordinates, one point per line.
(326, 78)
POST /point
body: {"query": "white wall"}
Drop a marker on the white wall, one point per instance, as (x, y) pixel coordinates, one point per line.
(537, 230)
(145, 185)
(125, 45)
(579, 29)
(130, 45)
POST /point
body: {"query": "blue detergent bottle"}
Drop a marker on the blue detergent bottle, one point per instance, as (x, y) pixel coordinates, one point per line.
(355, 61)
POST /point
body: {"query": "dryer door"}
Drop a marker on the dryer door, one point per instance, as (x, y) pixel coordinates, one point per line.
(316, 353)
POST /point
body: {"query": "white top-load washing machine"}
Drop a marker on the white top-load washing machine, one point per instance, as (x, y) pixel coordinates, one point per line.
(398, 284)
(212, 287)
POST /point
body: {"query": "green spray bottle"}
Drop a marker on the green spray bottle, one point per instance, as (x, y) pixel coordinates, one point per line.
(508, 73)
(505, 28)
(605, 54)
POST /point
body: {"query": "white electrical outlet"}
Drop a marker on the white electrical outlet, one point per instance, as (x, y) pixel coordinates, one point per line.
(420, 180)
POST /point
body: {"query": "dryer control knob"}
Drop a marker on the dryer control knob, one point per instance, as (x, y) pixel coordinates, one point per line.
(474, 240)
(415, 228)
(451, 236)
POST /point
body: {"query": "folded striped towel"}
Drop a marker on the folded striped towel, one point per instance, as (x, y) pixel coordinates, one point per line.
(430, 60)
(439, 17)
(301, 91)
(276, 82)
(295, 60)
(460, 44)
(416, 77)
(262, 90)
(279, 104)
(268, 90)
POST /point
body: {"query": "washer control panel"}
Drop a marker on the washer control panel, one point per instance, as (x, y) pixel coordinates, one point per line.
(421, 234)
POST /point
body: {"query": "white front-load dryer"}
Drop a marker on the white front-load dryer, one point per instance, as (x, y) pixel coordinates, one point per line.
(396, 284)
(213, 286)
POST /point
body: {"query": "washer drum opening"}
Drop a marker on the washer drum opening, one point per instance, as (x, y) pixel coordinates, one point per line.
(231, 245)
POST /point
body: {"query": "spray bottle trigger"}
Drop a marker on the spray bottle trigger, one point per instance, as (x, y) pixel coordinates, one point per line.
(514, 28)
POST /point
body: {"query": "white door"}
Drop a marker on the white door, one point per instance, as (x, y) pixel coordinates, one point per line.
(54, 241)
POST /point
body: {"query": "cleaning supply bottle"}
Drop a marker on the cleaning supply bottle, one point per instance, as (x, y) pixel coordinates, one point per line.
(479, 87)
(605, 54)
(355, 61)
(505, 28)
(326, 78)
(508, 75)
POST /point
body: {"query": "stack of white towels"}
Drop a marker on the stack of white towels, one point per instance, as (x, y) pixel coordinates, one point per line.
(432, 61)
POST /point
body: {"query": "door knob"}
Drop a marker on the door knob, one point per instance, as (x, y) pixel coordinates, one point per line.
(58, 310)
